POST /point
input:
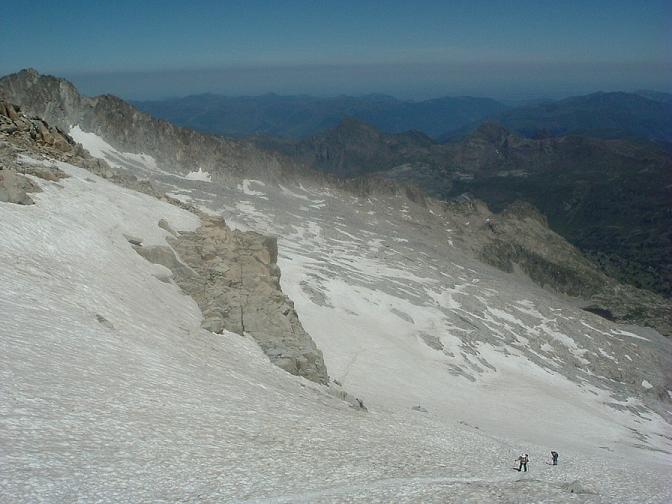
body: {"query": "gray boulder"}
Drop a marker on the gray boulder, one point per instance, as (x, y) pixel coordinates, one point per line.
(14, 188)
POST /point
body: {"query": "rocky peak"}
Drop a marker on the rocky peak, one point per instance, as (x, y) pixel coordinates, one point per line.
(51, 98)
(14, 122)
(20, 134)
(30, 72)
(125, 128)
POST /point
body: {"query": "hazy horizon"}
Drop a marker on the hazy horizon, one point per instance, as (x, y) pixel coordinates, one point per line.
(324, 81)
(528, 50)
(184, 83)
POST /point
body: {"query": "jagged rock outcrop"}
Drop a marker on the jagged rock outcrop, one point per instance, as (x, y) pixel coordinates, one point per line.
(33, 132)
(356, 149)
(13, 121)
(583, 186)
(179, 149)
(34, 136)
(234, 279)
(14, 188)
(519, 240)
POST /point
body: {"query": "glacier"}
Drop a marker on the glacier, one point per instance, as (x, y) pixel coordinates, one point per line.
(112, 392)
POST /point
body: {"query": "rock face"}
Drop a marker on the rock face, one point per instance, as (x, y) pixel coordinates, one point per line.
(519, 240)
(14, 188)
(37, 134)
(32, 135)
(234, 279)
(355, 148)
(14, 122)
(582, 185)
(124, 127)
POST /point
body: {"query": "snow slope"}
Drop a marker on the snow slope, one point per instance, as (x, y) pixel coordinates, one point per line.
(404, 322)
(99, 148)
(110, 391)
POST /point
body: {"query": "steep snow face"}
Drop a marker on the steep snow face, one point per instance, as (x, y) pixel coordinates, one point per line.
(404, 317)
(110, 392)
(138, 164)
(99, 148)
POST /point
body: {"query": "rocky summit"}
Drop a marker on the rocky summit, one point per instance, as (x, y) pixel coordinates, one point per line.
(192, 318)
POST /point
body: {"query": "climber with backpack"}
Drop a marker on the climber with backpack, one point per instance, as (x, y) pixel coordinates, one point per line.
(523, 459)
(554, 457)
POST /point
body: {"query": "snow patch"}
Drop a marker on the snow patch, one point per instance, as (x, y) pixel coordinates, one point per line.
(199, 175)
(246, 188)
(99, 148)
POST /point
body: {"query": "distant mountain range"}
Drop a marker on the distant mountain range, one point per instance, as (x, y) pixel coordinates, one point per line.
(608, 115)
(609, 197)
(301, 116)
(643, 114)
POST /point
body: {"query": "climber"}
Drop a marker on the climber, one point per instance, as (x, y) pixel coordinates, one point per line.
(523, 459)
(554, 457)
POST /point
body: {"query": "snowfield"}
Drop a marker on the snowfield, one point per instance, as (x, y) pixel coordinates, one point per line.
(111, 392)
(400, 323)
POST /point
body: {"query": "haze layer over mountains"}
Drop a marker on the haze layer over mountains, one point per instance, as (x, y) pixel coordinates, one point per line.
(644, 114)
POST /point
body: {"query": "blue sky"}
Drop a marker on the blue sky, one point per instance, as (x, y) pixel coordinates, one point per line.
(413, 49)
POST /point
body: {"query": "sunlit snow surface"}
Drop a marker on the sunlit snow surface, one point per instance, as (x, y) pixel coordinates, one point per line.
(201, 175)
(405, 323)
(99, 148)
(156, 410)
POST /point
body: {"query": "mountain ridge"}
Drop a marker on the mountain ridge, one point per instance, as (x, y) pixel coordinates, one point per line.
(297, 116)
(580, 183)
(613, 114)
(602, 114)
(126, 128)
(135, 131)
